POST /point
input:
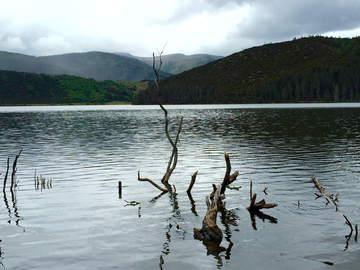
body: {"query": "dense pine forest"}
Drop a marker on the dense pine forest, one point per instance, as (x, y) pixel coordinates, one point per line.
(19, 88)
(312, 69)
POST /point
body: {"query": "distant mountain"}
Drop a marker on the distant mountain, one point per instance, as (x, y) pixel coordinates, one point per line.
(177, 63)
(313, 69)
(96, 65)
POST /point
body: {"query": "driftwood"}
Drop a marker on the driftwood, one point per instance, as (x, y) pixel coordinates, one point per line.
(259, 205)
(193, 178)
(210, 231)
(14, 171)
(256, 206)
(333, 201)
(174, 155)
(328, 197)
(228, 179)
(6, 175)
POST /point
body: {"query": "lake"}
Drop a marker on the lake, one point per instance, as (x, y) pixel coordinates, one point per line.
(80, 221)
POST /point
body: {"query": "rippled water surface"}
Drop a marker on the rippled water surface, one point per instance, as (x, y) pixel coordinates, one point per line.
(81, 221)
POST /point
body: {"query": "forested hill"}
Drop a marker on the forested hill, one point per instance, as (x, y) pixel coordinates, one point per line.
(21, 88)
(312, 69)
(96, 65)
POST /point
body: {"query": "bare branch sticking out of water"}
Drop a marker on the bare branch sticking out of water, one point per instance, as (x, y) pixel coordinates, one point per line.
(41, 183)
(228, 179)
(151, 182)
(13, 184)
(193, 178)
(329, 198)
(259, 205)
(174, 155)
(131, 203)
(333, 201)
(256, 206)
(6, 175)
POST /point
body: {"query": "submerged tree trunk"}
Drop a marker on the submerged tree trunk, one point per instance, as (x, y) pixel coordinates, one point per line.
(210, 231)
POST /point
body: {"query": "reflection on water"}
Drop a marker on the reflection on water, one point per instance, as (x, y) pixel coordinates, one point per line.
(82, 223)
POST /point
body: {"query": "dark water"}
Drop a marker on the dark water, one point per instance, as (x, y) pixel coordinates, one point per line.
(81, 223)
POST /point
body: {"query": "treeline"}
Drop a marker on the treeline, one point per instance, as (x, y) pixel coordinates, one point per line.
(313, 69)
(321, 85)
(17, 88)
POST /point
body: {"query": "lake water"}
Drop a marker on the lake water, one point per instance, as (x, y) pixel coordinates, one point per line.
(81, 222)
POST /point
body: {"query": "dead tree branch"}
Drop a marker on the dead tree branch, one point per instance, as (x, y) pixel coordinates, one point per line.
(210, 231)
(259, 205)
(14, 171)
(6, 175)
(151, 182)
(174, 155)
(193, 178)
(228, 179)
(328, 197)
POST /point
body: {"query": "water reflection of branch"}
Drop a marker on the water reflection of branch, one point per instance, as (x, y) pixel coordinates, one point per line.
(192, 204)
(1, 257)
(153, 200)
(16, 213)
(262, 216)
(161, 262)
(7, 204)
(348, 237)
(175, 204)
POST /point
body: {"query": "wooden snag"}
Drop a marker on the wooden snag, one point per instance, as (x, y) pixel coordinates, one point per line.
(152, 182)
(333, 201)
(174, 155)
(14, 171)
(210, 231)
(228, 179)
(193, 178)
(328, 197)
(259, 205)
(120, 189)
(256, 206)
(6, 175)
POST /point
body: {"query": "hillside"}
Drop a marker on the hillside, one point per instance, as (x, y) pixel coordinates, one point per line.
(177, 63)
(20, 88)
(96, 65)
(313, 69)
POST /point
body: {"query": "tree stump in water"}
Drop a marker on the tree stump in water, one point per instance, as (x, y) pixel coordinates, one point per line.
(259, 205)
(210, 231)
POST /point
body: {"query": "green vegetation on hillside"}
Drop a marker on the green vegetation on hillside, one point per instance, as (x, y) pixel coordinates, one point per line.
(313, 69)
(18, 88)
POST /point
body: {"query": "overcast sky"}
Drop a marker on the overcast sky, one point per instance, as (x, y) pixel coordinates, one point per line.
(140, 27)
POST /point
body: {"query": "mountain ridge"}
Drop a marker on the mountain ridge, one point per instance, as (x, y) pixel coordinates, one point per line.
(311, 69)
(96, 65)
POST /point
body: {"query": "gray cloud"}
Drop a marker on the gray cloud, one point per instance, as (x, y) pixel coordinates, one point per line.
(266, 21)
(275, 21)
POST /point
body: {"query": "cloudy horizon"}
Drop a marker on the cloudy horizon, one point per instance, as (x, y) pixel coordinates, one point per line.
(140, 27)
